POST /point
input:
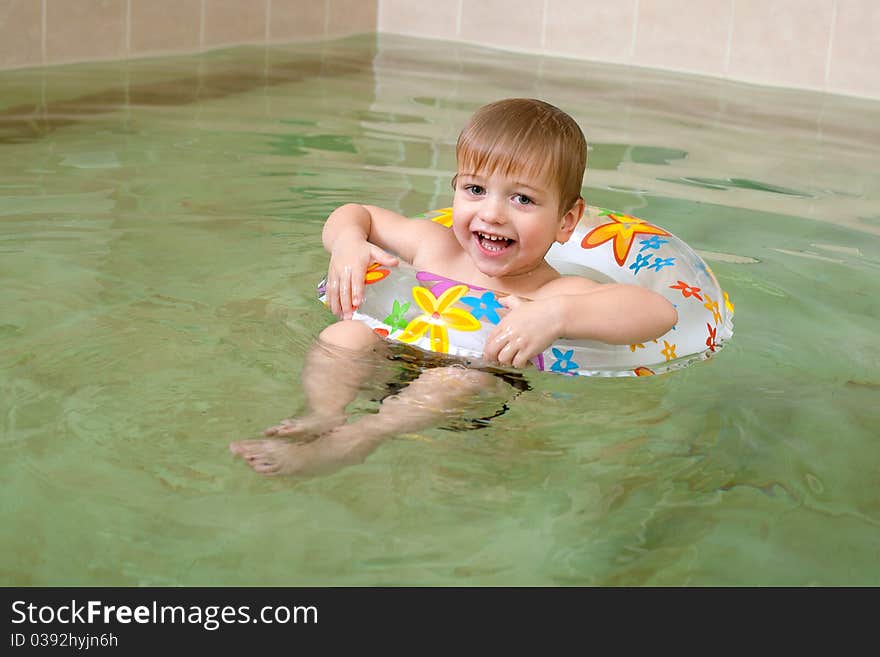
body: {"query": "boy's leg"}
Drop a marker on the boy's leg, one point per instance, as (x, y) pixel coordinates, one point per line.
(336, 367)
(436, 395)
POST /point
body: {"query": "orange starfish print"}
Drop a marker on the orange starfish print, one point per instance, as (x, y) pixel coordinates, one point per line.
(623, 230)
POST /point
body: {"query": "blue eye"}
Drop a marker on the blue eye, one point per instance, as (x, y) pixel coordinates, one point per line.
(523, 199)
(476, 190)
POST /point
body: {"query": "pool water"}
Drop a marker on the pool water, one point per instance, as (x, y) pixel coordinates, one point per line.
(159, 249)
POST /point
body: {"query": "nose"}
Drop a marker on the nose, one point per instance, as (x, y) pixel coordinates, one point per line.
(492, 210)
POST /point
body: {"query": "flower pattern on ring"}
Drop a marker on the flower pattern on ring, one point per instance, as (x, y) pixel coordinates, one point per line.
(438, 316)
(375, 273)
(728, 303)
(641, 262)
(439, 284)
(713, 333)
(653, 242)
(564, 362)
(659, 263)
(687, 290)
(484, 306)
(444, 217)
(712, 306)
(621, 232)
(396, 319)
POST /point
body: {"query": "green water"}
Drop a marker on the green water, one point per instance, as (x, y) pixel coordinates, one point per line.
(159, 247)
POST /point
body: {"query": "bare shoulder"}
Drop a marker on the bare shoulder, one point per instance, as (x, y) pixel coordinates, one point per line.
(567, 285)
(403, 235)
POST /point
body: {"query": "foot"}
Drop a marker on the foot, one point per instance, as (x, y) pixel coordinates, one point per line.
(305, 427)
(327, 454)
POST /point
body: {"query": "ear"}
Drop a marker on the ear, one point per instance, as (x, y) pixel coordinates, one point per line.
(570, 221)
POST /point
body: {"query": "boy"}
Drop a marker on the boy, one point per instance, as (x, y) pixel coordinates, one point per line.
(517, 191)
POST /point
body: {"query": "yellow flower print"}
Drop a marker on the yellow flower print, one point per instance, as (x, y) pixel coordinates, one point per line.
(443, 217)
(438, 317)
(668, 351)
(712, 306)
(728, 303)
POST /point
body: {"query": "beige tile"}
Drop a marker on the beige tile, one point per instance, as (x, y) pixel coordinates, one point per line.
(855, 49)
(21, 24)
(683, 35)
(165, 25)
(784, 42)
(234, 21)
(78, 30)
(297, 19)
(428, 18)
(513, 24)
(351, 16)
(594, 29)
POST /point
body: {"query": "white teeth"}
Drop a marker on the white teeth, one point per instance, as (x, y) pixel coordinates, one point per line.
(493, 242)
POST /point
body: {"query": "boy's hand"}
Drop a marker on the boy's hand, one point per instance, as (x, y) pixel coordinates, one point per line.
(349, 260)
(528, 328)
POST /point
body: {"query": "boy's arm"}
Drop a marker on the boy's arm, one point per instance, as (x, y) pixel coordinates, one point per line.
(356, 236)
(386, 229)
(612, 313)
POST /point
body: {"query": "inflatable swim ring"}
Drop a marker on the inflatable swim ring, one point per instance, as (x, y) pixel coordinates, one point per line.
(445, 316)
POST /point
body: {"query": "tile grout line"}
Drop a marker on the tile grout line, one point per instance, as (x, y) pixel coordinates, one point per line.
(268, 32)
(544, 12)
(635, 32)
(128, 28)
(829, 55)
(729, 48)
(43, 34)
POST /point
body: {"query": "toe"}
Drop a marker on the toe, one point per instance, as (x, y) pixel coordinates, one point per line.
(265, 467)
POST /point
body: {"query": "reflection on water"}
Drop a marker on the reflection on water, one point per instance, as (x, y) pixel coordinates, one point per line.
(160, 237)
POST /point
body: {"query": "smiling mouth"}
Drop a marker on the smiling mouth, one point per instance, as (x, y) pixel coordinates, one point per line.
(492, 243)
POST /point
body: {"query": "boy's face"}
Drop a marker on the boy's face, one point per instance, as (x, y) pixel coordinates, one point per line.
(507, 224)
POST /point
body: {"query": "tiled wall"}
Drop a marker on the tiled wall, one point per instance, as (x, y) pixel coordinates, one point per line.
(830, 45)
(40, 32)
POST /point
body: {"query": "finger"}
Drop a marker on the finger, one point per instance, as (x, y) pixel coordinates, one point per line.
(510, 301)
(383, 257)
(333, 294)
(505, 356)
(337, 298)
(357, 291)
(345, 293)
(353, 284)
(493, 346)
(521, 359)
